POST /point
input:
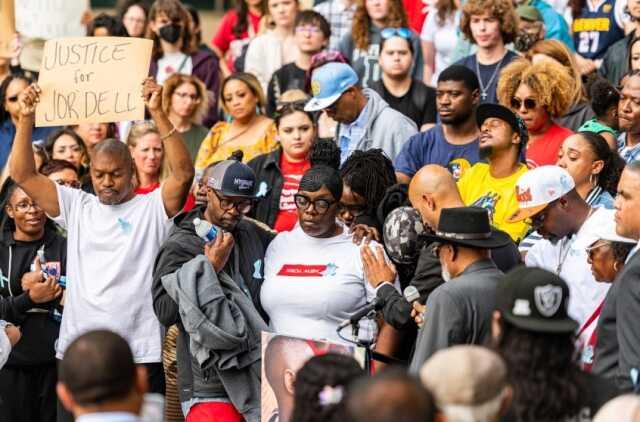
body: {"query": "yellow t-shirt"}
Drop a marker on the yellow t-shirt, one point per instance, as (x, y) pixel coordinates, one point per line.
(214, 149)
(478, 188)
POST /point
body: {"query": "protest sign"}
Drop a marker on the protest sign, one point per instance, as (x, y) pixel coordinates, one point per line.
(48, 19)
(92, 79)
(282, 355)
(7, 27)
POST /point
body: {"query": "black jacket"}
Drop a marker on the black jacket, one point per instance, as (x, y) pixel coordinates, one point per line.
(182, 245)
(39, 329)
(269, 175)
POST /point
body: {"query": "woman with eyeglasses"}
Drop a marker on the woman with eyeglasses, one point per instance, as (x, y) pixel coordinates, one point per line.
(10, 88)
(278, 173)
(373, 21)
(133, 15)
(185, 101)
(175, 50)
(62, 172)
(606, 253)
(248, 130)
(276, 47)
(538, 93)
(32, 262)
(314, 277)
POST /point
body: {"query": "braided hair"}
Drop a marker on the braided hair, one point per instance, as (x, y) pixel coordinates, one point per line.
(320, 387)
(369, 174)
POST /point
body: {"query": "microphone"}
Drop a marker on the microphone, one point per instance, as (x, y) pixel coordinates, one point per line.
(375, 305)
(411, 294)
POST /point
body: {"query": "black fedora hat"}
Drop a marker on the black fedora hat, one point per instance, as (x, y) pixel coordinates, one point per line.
(468, 226)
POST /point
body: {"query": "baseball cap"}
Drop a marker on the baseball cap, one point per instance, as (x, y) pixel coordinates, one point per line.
(232, 178)
(328, 83)
(537, 188)
(465, 375)
(534, 299)
(486, 111)
(528, 13)
(602, 226)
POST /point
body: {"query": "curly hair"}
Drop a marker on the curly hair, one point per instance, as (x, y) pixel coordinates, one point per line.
(560, 53)
(609, 177)
(330, 370)
(550, 81)
(542, 368)
(500, 9)
(396, 18)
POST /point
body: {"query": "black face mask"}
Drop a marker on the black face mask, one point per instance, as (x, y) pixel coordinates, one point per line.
(170, 33)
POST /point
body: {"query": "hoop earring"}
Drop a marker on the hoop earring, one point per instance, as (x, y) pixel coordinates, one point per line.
(593, 179)
(615, 266)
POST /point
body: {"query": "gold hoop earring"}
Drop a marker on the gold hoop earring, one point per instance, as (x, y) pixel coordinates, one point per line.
(615, 266)
(593, 179)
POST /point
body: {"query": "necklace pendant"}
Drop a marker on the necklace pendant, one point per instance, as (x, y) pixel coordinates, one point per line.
(483, 96)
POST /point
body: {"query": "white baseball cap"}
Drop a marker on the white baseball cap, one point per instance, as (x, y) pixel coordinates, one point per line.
(602, 227)
(538, 187)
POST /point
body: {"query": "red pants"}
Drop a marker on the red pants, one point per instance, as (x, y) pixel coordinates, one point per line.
(214, 412)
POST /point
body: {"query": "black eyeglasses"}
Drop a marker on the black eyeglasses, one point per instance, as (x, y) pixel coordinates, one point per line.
(243, 206)
(529, 103)
(25, 206)
(320, 205)
(12, 99)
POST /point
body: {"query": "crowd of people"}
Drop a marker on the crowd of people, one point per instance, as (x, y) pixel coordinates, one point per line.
(450, 186)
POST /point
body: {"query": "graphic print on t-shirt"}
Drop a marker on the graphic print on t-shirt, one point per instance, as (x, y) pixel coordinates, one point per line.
(488, 202)
(289, 188)
(458, 166)
(302, 270)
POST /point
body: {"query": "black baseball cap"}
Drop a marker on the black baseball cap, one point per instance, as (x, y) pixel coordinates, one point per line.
(485, 111)
(233, 178)
(534, 299)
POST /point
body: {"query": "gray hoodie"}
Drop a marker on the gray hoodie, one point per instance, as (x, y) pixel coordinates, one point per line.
(224, 330)
(385, 128)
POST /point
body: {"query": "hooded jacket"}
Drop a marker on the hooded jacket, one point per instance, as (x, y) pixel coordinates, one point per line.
(182, 245)
(205, 68)
(385, 127)
(39, 328)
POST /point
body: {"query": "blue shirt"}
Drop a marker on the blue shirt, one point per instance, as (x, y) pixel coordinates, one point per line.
(8, 133)
(628, 154)
(431, 147)
(489, 75)
(596, 29)
(352, 133)
(555, 25)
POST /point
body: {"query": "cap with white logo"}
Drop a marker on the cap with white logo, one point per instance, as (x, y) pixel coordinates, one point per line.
(232, 178)
(538, 187)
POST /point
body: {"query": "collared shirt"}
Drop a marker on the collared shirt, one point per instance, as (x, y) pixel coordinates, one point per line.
(339, 17)
(628, 153)
(352, 133)
(108, 417)
(632, 252)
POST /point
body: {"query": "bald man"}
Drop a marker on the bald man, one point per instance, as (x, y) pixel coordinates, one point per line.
(283, 357)
(432, 189)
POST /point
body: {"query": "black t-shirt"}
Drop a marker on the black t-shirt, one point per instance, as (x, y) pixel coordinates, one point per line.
(598, 391)
(287, 77)
(418, 104)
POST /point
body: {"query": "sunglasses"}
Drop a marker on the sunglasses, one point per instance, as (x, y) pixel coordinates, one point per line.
(529, 103)
(392, 32)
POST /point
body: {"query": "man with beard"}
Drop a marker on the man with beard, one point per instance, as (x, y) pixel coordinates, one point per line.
(491, 185)
(453, 143)
(548, 197)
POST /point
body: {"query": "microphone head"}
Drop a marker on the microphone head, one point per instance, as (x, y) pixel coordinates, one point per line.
(411, 294)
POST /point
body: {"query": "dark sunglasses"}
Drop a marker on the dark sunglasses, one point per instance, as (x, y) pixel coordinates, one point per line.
(387, 33)
(320, 205)
(529, 103)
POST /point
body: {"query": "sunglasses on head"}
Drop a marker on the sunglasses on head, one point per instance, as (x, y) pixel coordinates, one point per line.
(393, 32)
(529, 103)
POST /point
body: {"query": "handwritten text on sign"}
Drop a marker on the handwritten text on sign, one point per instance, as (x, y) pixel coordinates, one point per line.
(92, 79)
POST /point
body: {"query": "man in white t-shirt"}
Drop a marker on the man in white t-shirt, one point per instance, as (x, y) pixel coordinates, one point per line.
(113, 237)
(547, 196)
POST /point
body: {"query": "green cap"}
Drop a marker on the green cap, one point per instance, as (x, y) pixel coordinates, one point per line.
(529, 13)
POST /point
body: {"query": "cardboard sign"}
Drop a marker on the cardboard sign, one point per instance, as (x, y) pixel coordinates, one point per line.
(7, 27)
(92, 80)
(48, 19)
(283, 353)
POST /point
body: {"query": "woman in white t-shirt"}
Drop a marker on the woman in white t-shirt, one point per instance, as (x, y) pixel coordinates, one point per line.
(440, 34)
(314, 277)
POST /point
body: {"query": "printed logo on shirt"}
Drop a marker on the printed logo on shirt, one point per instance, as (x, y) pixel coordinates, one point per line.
(257, 269)
(457, 167)
(53, 269)
(488, 202)
(548, 299)
(262, 190)
(301, 270)
(125, 226)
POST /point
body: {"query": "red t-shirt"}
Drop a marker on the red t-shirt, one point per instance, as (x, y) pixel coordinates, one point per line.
(188, 205)
(226, 40)
(544, 151)
(291, 175)
(416, 14)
